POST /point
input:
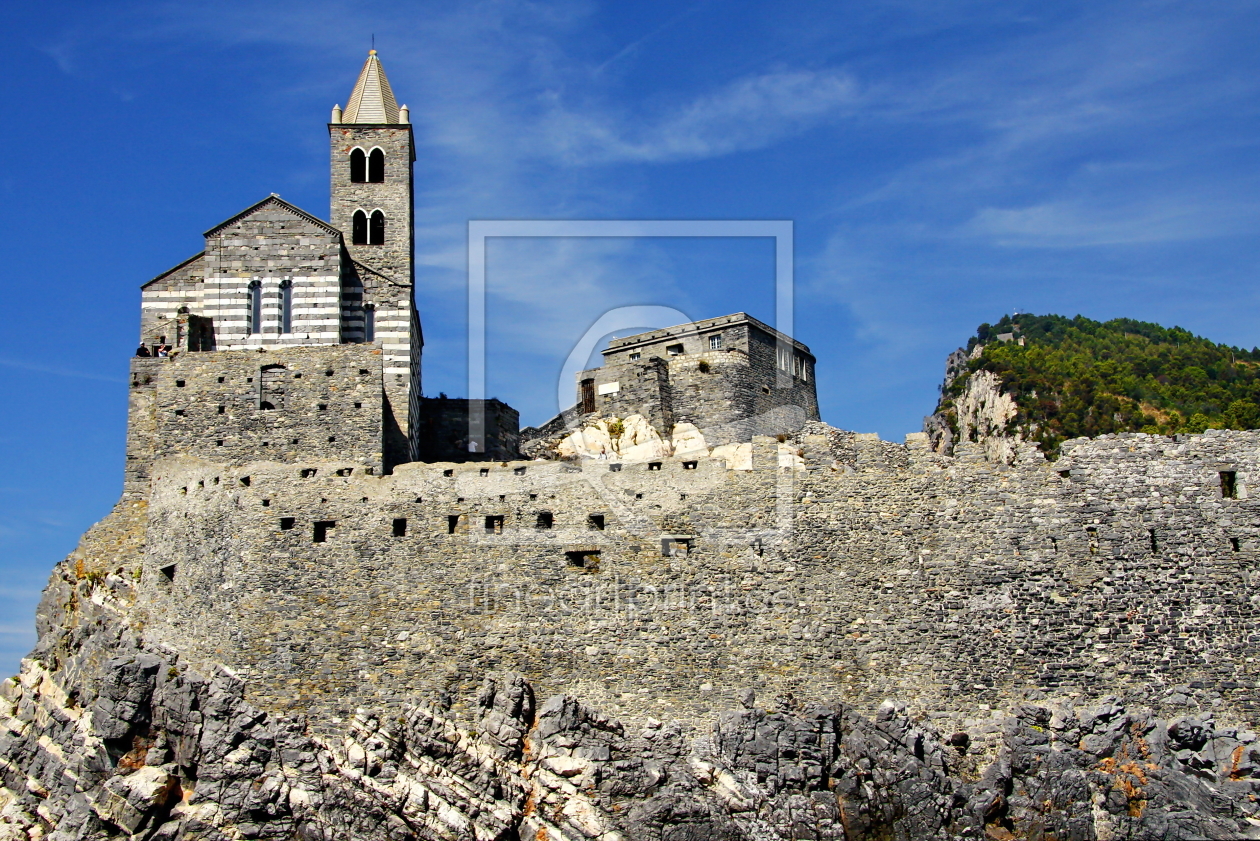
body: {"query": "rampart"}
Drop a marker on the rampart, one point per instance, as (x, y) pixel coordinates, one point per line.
(659, 589)
(233, 407)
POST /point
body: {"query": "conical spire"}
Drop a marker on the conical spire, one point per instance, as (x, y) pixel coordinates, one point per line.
(372, 100)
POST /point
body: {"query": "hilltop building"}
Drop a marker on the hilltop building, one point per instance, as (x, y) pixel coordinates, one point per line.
(732, 377)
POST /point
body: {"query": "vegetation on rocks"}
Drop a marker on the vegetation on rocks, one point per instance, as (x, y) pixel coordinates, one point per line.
(1073, 377)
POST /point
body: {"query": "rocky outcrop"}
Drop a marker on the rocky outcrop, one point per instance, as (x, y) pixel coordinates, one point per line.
(105, 736)
(981, 412)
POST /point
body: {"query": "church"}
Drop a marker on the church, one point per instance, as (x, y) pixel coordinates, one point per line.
(278, 290)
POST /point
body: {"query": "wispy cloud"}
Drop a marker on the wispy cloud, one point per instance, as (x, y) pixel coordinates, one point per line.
(57, 371)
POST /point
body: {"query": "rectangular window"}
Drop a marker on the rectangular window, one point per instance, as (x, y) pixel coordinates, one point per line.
(545, 520)
(1229, 484)
(494, 524)
(715, 342)
(287, 523)
(690, 465)
(452, 523)
(596, 522)
(583, 559)
(674, 350)
(400, 527)
(322, 530)
(784, 358)
(635, 355)
(286, 306)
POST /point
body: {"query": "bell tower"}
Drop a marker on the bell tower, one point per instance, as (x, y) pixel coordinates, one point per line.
(371, 157)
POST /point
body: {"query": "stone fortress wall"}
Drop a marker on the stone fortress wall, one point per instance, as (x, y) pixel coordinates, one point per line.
(660, 589)
(282, 404)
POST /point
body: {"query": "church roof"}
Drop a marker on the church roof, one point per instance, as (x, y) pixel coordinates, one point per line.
(274, 201)
(372, 100)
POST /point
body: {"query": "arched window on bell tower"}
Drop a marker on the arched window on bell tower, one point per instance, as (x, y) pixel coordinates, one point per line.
(376, 166)
(358, 166)
(376, 236)
(359, 228)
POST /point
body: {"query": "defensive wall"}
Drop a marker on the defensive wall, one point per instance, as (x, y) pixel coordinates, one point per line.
(664, 589)
(232, 407)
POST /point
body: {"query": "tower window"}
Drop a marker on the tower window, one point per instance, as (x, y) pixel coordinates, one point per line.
(376, 166)
(376, 228)
(359, 228)
(369, 323)
(358, 166)
(286, 306)
(715, 342)
(255, 307)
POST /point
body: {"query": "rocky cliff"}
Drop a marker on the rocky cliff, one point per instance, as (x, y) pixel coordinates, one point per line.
(107, 736)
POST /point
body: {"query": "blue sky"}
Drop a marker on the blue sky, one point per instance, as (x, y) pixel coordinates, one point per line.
(943, 163)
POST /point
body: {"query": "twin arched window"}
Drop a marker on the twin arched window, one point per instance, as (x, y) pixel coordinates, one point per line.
(368, 168)
(367, 230)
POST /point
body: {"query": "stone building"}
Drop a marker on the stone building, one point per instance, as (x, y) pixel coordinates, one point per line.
(274, 278)
(732, 377)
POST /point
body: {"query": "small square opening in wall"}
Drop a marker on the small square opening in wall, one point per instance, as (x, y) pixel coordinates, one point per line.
(1235, 545)
(614, 468)
(545, 520)
(358, 405)
(654, 465)
(179, 383)
(332, 439)
(690, 465)
(1066, 474)
(245, 480)
(455, 523)
(249, 379)
(297, 376)
(448, 473)
(1229, 484)
(674, 350)
(328, 373)
(179, 413)
(518, 471)
(309, 472)
(400, 527)
(765, 389)
(222, 409)
(363, 372)
(221, 379)
(485, 471)
(587, 559)
(322, 406)
(168, 572)
(287, 523)
(675, 547)
(533, 496)
(323, 529)
(345, 471)
(266, 503)
(494, 524)
(595, 521)
(219, 443)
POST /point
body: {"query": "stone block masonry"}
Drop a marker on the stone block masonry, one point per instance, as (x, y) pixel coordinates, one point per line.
(880, 571)
(236, 407)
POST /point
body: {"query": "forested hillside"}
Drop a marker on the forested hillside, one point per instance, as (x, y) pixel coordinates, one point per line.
(1073, 377)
